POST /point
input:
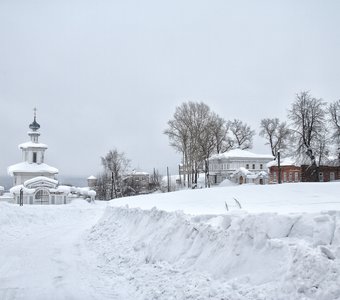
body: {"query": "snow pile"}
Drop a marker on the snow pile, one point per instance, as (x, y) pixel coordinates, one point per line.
(248, 256)
(226, 182)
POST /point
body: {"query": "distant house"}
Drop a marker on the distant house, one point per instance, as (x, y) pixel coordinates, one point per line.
(240, 166)
(2, 190)
(137, 182)
(293, 171)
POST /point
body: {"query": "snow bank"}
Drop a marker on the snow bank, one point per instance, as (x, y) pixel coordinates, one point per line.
(263, 256)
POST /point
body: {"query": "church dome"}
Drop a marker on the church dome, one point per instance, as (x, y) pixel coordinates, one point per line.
(34, 126)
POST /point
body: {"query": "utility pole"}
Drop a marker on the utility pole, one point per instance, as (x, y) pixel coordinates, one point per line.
(167, 173)
(279, 165)
(112, 183)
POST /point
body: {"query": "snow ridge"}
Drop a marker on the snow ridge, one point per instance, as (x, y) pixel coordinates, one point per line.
(245, 256)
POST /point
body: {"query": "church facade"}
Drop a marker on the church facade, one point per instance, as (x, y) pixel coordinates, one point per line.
(34, 181)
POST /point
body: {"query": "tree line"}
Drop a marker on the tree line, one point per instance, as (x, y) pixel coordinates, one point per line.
(310, 133)
(116, 181)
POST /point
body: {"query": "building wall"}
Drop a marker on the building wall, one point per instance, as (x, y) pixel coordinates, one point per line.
(303, 174)
(224, 167)
(20, 178)
(288, 174)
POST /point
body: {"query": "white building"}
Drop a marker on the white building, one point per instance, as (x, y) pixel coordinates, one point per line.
(232, 164)
(34, 181)
(33, 156)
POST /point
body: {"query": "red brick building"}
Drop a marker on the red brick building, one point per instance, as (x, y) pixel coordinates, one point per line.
(293, 172)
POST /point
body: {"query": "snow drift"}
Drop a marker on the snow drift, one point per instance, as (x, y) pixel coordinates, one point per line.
(261, 256)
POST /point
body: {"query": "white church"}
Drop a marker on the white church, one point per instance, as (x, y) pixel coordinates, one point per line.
(34, 181)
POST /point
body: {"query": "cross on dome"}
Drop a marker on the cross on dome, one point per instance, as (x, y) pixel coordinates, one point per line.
(34, 126)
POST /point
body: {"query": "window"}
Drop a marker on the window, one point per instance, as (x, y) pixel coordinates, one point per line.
(296, 176)
(253, 166)
(261, 166)
(247, 166)
(284, 176)
(34, 157)
(331, 176)
(274, 176)
(290, 176)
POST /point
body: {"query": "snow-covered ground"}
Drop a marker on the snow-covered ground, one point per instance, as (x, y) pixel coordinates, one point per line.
(283, 244)
(284, 198)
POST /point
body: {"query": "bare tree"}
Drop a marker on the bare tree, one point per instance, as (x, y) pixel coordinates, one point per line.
(276, 133)
(155, 179)
(193, 131)
(115, 163)
(102, 186)
(179, 135)
(307, 115)
(208, 140)
(334, 111)
(242, 135)
(219, 131)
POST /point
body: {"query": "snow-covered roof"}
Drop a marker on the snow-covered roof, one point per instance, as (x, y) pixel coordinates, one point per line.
(262, 174)
(286, 161)
(139, 173)
(65, 189)
(25, 167)
(40, 178)
(303, 160)
(16, 189)
(243, 171)
(92, 177)
(239, 153)
(32, 145)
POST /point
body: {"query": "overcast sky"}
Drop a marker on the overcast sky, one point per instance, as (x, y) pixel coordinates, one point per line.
(107, 74)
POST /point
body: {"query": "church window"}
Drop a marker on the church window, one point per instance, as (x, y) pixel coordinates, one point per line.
(261, 166)
(34, 157)
(247, 166)
(253, 166)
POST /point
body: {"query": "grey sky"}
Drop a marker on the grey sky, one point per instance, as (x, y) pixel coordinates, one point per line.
(107, 74)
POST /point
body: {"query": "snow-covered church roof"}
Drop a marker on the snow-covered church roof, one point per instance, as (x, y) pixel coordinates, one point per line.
(32, 145)
(25, 167)
(40, 178)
